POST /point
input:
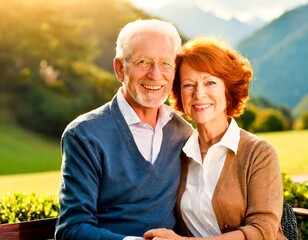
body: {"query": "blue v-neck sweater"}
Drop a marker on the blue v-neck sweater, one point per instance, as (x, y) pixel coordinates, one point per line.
(108, 190)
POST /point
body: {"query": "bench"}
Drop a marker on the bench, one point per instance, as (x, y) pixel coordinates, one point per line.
(44, 229)
(32, 230)
(302, 215)
(301, 212)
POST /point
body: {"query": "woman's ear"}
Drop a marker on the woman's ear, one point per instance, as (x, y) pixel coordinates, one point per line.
(118, 69)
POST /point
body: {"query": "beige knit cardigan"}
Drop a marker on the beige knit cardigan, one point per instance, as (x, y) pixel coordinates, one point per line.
(248, 195)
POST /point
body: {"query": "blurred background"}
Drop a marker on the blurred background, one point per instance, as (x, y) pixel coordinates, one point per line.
(56, 63)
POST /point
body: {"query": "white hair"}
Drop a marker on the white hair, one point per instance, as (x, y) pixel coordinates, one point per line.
(139, 26)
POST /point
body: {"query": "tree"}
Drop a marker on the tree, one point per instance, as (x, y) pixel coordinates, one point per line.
(247, 118)
(304, 121)
(301, 107)
(56, 58)
(48, 63)
(269, 120)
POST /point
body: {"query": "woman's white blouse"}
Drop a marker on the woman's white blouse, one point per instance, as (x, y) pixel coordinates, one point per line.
(196, 204)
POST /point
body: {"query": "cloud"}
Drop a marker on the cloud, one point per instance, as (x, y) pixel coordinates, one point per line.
(246, 10)
(241, 9)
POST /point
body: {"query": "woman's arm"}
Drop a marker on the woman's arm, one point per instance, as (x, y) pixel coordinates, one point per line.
(163, 234)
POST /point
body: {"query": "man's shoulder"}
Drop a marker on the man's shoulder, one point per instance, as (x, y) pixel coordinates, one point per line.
(94, 117)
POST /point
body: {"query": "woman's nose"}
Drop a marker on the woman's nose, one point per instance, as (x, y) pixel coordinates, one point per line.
(199, 92)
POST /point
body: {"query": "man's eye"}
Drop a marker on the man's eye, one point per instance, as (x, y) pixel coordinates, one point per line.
(167, 64)
(143, 61)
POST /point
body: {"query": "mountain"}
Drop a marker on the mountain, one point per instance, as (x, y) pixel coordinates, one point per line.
(278, 53)
(192, 21)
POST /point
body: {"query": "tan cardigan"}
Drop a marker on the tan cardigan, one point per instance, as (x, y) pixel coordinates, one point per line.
(248, 195)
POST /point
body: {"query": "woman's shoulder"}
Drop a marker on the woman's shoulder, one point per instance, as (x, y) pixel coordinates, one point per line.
(253, 141)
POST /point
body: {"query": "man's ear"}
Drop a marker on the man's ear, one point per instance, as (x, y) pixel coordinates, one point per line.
(118, 69)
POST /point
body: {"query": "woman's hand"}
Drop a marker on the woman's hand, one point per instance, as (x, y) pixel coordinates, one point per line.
(161, 234)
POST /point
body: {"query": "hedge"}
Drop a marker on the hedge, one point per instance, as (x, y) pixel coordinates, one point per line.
(18, 207)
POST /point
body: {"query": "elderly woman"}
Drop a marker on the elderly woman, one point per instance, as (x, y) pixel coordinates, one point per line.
(231, 187)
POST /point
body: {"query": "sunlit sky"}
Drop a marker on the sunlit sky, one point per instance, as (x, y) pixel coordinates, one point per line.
(243, 10)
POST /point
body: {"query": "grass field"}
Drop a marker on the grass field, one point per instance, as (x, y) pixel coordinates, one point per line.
(23, 151)
(44, 182)
(292, 148)
(28, 161)
(31, 163)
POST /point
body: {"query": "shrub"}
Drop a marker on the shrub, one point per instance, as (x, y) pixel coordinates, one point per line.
(296, 194)
(269, 120)
(304, 119)
(19, 207)
(246, 120)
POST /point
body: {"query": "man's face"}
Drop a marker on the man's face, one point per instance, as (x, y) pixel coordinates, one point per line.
(147, 76)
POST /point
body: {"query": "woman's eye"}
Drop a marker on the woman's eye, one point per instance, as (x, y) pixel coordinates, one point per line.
(188, 85)
(209, 83)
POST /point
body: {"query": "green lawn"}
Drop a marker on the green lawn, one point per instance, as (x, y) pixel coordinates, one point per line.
(31, 163)
(44, 182)
(292, 148)
(23, 151)
(28, 162)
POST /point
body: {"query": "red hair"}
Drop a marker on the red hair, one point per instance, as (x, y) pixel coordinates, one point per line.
(218, 59)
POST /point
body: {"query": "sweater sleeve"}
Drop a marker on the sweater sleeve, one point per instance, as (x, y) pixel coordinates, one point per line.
(264, 194)
(78, 193)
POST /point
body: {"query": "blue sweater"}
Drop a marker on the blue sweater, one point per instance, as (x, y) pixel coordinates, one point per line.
(108, 190)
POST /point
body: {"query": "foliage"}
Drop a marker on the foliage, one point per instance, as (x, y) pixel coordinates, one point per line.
(269, 120)
(305, 120)
(52, 64)
(301, 107)
(264, 103)
(250, 120)
(19, 207)
(296, 194)
(57, 64)
(300, 113)
(246, 120)
(39, 106)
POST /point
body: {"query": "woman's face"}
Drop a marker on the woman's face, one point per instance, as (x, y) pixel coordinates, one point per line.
(203, 95)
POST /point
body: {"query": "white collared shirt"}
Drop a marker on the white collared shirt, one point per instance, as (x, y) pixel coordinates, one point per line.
(148, 140)
(196, 204)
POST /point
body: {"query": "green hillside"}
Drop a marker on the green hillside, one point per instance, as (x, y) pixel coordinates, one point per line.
(279, 53)
(58, 63)
(22, 151)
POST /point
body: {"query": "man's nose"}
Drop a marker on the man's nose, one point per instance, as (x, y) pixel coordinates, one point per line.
(154, 72)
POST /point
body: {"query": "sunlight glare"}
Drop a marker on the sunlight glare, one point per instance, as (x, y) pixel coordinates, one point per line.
(151, 4)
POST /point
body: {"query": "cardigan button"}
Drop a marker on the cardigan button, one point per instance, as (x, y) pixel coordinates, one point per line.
(226, 226)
